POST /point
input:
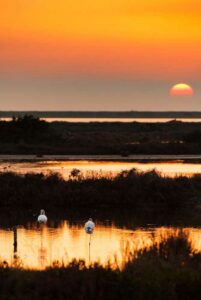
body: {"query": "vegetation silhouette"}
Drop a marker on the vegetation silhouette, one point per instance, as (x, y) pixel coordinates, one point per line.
(169, 270)
(143, 193)
(30, 135)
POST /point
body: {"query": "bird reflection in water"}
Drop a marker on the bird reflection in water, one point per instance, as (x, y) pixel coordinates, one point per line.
(38, 247)
(42, 251)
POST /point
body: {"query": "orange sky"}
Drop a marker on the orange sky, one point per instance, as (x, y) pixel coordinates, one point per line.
(130, 36)
(139, 40)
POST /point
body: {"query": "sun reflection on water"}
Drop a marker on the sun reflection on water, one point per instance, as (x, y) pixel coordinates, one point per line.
(42, 247)
(101, 168)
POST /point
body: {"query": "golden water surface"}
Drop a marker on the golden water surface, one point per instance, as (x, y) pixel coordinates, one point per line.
(122, 120)
(38, 248)
(110, 168)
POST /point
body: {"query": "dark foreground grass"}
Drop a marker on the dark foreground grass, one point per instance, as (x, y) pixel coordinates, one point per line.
(168, 271)
(147, 194)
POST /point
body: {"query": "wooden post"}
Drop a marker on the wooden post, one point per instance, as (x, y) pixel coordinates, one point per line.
(15, 238)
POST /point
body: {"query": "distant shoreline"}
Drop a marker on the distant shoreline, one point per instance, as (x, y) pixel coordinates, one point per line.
(104, 114)
(36, 136)
(114, 158)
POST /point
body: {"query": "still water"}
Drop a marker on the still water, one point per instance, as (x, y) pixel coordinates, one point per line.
(39, 248)
(124, 120)
(103, 168)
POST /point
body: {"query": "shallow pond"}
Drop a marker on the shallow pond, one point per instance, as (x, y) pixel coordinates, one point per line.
(39, 247)
(124, 120)
(89, 168)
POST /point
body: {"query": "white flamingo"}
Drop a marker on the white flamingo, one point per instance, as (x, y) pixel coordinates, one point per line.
(89, 228)
(42, 218)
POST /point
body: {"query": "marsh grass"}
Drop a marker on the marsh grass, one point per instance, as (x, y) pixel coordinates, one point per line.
(168, 270)
(142, 193)
(30, 135)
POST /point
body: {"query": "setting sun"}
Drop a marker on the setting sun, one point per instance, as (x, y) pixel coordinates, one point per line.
(181, 89)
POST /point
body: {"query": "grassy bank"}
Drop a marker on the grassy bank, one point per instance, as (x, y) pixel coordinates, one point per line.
(29, 135)
(137, 193)
(170, 270)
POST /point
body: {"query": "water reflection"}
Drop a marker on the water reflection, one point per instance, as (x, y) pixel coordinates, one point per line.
(42, 247)
(104, 168)
(123, 120)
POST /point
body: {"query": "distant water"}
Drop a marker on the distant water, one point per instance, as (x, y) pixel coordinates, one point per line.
(124, 120)
(89, 168)
(61, 243)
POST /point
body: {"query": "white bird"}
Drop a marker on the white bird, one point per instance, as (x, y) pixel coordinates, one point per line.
(42, 218)
(89, 226)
